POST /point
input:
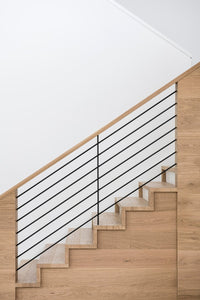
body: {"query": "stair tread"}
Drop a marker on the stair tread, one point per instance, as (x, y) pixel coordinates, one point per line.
(28, 273)
(107, 219)
(132, 202)
(159, 185)
(82, 236)
(174, 169)
(55, 255)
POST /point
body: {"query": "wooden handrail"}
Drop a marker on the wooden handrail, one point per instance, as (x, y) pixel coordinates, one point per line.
(90, 137)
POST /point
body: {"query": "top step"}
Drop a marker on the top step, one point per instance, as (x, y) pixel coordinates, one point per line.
(160, 186)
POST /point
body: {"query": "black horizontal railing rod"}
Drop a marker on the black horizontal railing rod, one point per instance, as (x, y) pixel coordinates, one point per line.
(35, 208)
(98, 189)
(146, 158)
(86, 174)
(136, 152)
(99, 154)
(96, 180)
(73, 159)
(57, 182)
(29, 212)
(95, 204)
(94, 145)
(130, 145)
(93, 217)
(150, 120)
(105, 138)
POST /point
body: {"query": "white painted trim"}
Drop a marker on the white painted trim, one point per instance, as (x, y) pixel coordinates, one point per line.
(130, 14)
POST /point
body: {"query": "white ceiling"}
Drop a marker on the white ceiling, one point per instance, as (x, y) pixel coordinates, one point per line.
(178, 20)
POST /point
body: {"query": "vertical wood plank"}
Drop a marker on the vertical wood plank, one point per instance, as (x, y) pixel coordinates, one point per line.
(188, 181)
(7, 246)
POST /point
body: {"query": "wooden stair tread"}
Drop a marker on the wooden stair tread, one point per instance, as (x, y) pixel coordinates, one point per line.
(160, 186)
(132, 202)
(55, 255)
(82, 236)
(28, 273)
(107, 219)
(174, 169)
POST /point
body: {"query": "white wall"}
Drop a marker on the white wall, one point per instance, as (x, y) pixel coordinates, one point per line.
(176, 19)
(68, 68)
(62, 63)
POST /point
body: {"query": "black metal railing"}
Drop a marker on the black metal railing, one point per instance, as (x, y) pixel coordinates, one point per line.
(98, 177)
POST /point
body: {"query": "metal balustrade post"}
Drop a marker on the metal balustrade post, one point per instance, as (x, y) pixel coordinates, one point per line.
(97, 179)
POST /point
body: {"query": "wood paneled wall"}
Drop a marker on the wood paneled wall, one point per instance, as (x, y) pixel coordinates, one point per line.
(188, 180)
(7, 246)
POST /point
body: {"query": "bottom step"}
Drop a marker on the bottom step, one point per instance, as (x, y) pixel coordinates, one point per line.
(53, 257)
(28, 273)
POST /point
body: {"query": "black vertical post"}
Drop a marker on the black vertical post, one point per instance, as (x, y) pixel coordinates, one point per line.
(97, 179)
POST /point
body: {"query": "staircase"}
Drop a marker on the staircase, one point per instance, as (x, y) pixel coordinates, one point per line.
(138, 239)
(146, 247)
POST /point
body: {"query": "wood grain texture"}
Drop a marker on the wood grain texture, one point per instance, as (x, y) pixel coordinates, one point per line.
(189, 85)
(7, 246)
(188, 297)
(104, 283)
(190, 118)
(165, 202)
(193, 70)
(188, 181)
(189, 173)
(189, 263)
(123, 258)
(145, 230)
(188, 145)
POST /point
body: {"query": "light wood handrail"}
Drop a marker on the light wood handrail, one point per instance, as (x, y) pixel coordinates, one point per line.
(90, 137)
